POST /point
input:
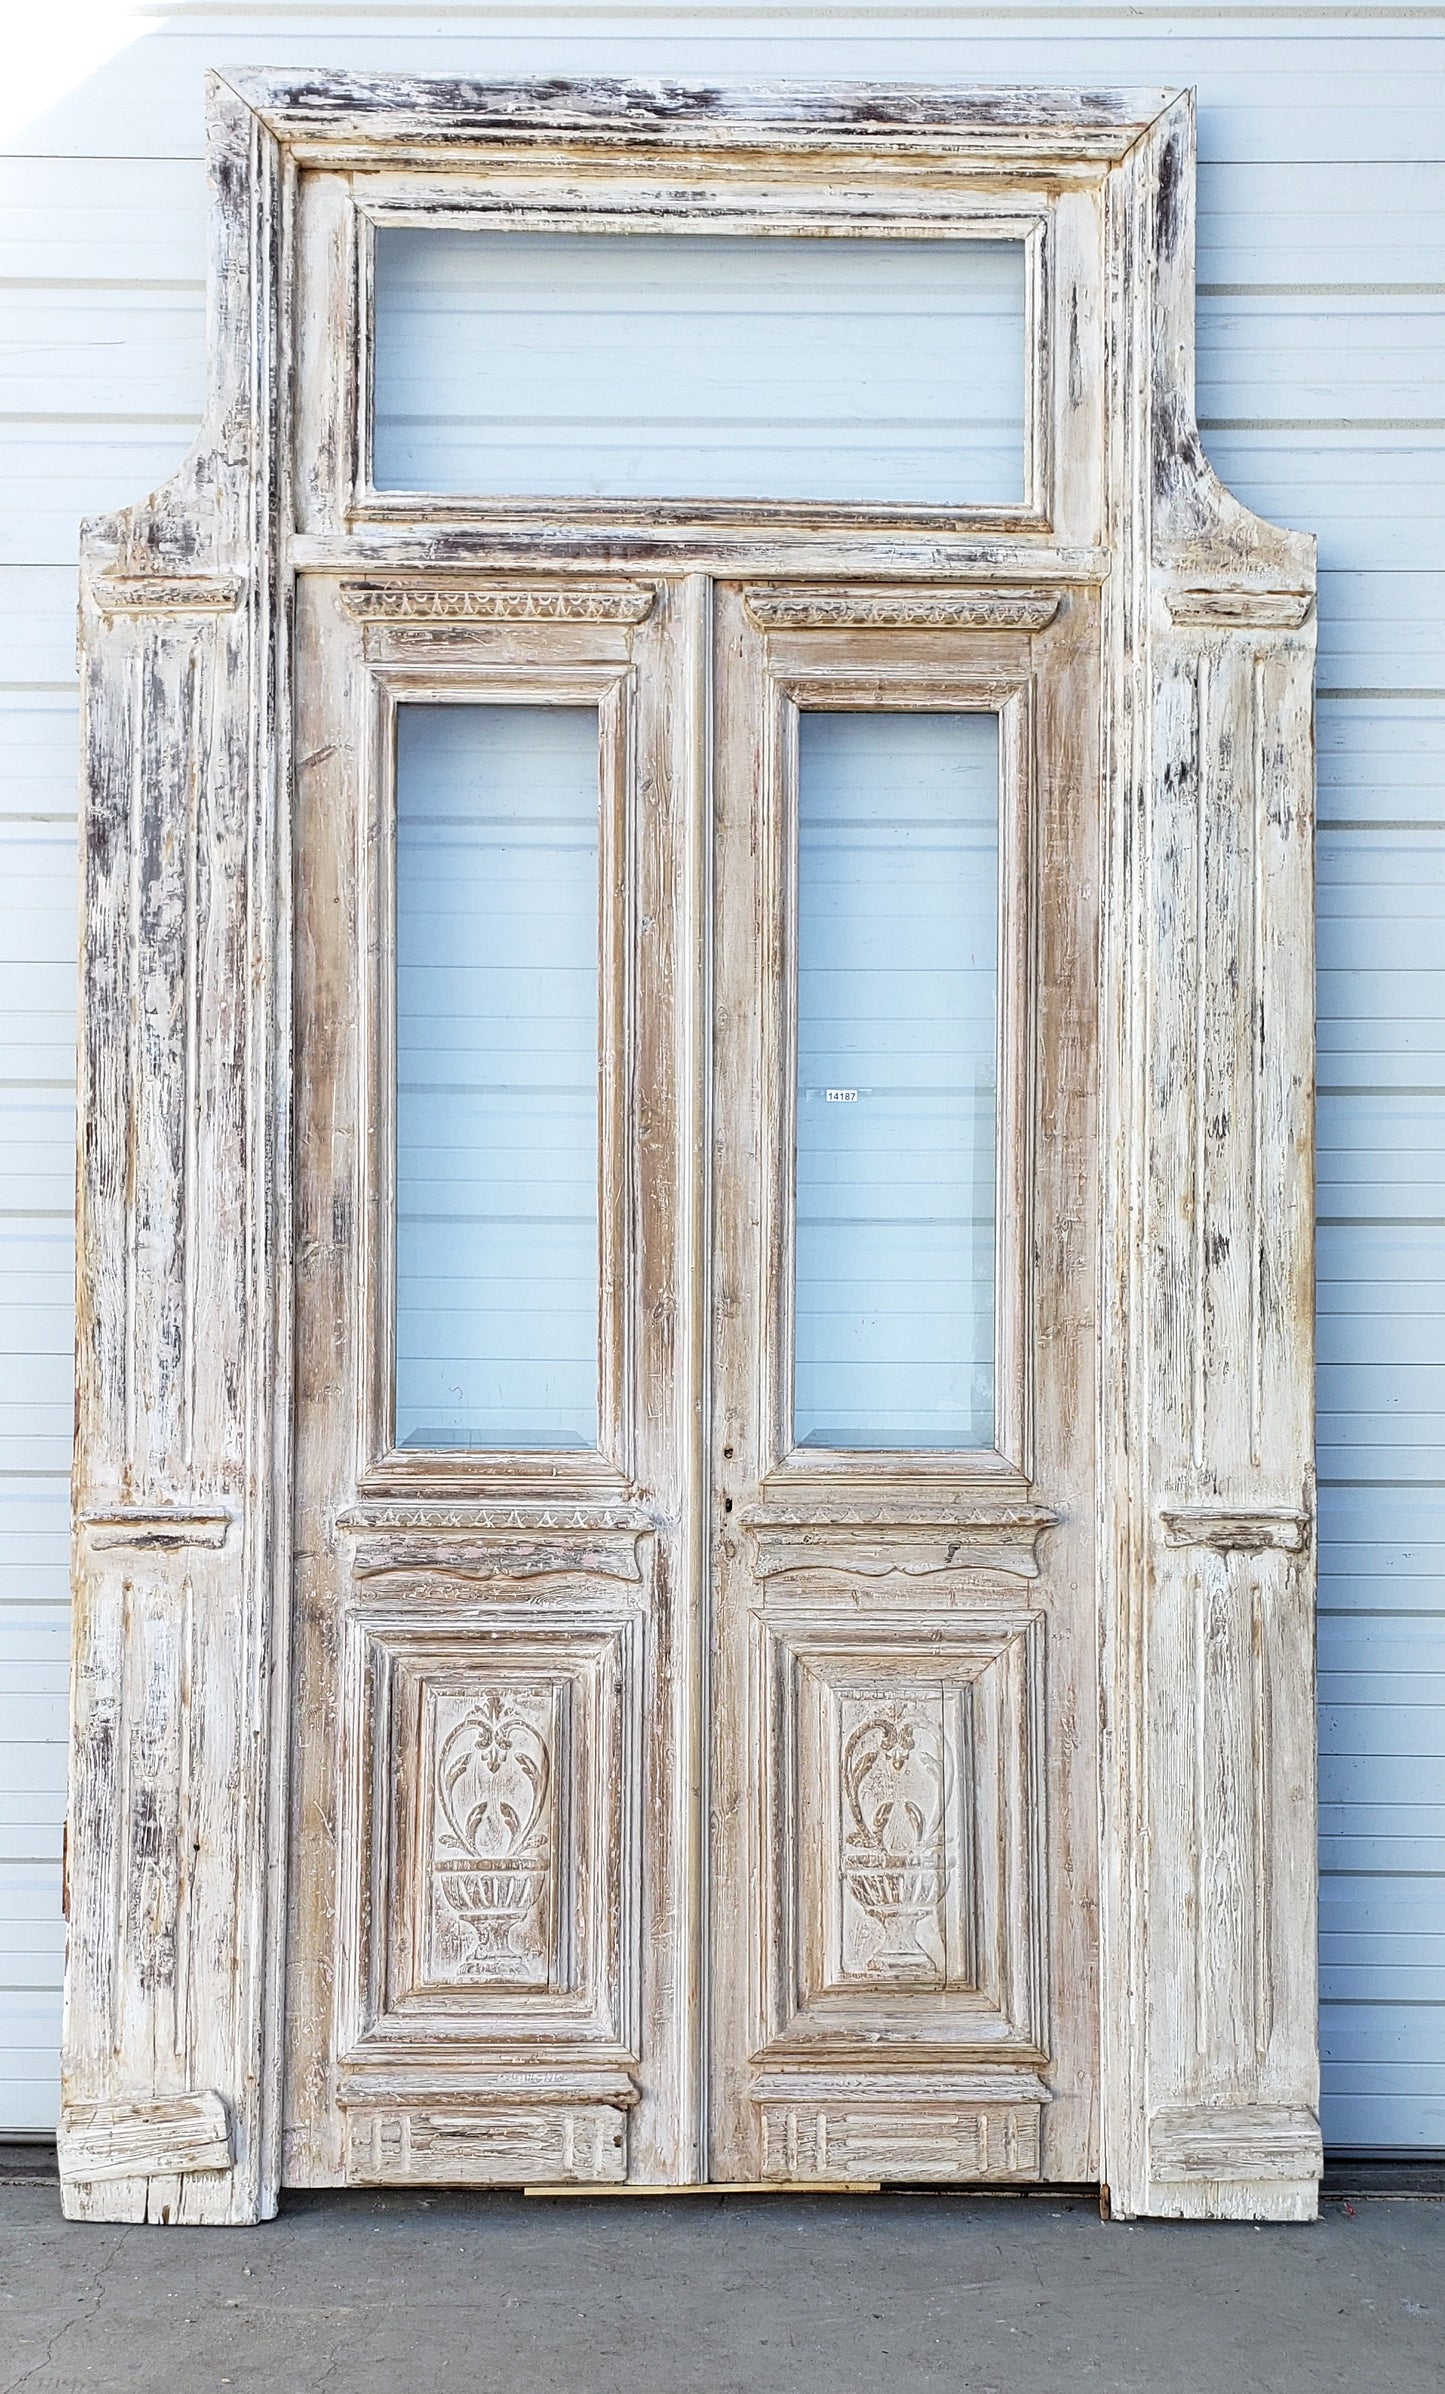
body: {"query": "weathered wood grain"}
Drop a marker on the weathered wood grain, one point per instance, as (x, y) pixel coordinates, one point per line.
(180, 1735)
(694, 1623)
(1208, 1780)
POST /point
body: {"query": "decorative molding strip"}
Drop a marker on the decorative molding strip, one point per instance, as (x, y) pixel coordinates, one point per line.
(900, 1547)
(1231, 1529)
(477, 2143)
(1250, 2140)
(1241, 610)
(897, 1512)
(929, 609)
(433, 2081)
(169, 2136)
(167, 594)
(982, 2127)
(400, 602)
(500, 1557)
(505, 1513)
(168, 1527)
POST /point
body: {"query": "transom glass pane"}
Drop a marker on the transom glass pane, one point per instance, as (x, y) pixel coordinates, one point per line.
(496, 1064)
(897, 1080)
(643, 365)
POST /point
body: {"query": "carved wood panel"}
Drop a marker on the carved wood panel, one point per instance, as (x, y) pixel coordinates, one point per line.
(493, 1800)
(908, 1908)
(907, 1819)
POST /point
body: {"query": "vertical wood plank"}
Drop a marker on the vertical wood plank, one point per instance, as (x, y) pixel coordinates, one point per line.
(173, 1975)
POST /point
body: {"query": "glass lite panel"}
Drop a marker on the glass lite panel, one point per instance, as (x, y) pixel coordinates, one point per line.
(496, 1061)
(650, 365)
(897, 1038)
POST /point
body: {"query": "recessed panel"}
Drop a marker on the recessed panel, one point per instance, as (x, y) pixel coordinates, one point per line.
(913, 1911)
(495, 1821)
(897, 1080)
(642, 365)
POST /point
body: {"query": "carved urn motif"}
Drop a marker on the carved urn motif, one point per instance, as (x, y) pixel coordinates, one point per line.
(494, 1772)
(897, 1779)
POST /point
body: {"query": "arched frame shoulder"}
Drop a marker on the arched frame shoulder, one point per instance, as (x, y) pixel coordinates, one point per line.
(175, 2005)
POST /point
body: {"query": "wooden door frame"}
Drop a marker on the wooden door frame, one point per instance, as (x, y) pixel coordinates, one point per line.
(175, 1990)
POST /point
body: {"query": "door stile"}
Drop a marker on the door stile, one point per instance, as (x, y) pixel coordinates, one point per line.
(560, 1587)
(907, 1584)
(673, 1099)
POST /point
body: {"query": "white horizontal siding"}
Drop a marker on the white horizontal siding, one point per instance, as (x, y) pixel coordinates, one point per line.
(1322, 331)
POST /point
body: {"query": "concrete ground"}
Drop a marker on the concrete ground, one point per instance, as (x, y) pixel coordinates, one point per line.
(893, 2294)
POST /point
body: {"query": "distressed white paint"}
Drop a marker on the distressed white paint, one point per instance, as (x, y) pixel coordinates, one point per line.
(1156, 807)
(1319, 196)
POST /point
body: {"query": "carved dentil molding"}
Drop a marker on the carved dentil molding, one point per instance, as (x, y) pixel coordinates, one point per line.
(397, 602)
(930, 610)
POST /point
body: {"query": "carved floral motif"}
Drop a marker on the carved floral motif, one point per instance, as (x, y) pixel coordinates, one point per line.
(493, 1779)
(897, 1782)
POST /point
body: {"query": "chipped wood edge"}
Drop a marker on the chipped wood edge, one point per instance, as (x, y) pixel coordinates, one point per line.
(172, 2136)
(1235, 1530)
(1241, 610)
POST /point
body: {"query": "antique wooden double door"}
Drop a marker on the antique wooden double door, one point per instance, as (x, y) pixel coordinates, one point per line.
(694, 1508)
(694, 1505)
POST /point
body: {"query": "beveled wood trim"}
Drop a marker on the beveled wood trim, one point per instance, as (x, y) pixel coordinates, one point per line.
(166, 1528)
(906, 1549)
(785, 201)
(1238, 2143)
(165, 594)
(459, 678)
(943, 678)
(1238, 1529)
(344, 119)
(1241, 610)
